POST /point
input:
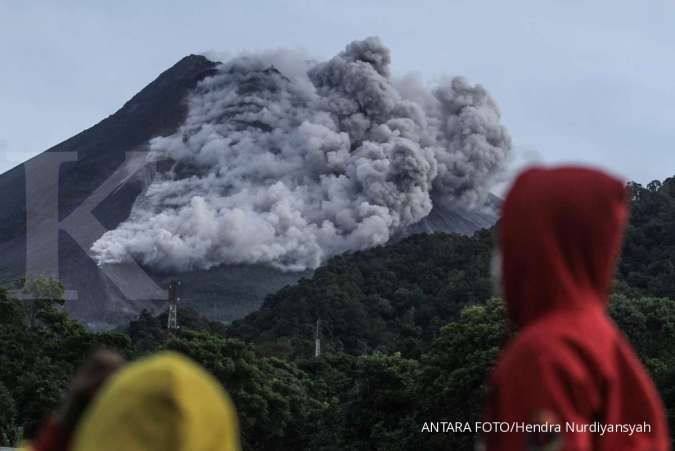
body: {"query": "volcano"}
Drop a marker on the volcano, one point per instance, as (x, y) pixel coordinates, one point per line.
(65, 212)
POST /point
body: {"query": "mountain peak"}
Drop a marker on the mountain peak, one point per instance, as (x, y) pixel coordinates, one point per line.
(170, 84)
(158, 109)
(291, 128)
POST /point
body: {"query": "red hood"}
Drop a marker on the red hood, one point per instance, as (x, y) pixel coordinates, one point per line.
(561, 231)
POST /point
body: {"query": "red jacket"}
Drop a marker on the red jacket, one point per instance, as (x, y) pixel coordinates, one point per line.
(561, 231)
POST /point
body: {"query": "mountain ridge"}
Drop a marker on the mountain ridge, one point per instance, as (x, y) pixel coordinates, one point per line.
(224, 293)
(157, 109)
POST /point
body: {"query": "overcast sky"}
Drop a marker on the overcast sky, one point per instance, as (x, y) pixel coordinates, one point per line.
(577, 81)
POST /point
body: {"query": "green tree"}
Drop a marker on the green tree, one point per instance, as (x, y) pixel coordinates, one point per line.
(649, 324)
(9, 429)
(380, 407)
(275, 407)
(41, 349)
(454, 371)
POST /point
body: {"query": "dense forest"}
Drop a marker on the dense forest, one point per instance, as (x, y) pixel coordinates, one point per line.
(409, 334)
(389, 299)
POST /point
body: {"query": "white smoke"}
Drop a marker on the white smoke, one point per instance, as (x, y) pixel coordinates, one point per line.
(287, 161)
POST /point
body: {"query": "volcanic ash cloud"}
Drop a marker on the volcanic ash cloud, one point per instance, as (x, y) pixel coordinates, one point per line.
(287, 161)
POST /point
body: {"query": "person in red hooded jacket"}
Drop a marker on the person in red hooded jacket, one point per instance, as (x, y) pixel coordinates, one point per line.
(560, 235)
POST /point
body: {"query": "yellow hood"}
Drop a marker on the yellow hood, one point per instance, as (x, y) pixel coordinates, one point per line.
(162, 403)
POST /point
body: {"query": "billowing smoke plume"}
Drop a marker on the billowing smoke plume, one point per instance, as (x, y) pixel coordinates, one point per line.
(287, 161)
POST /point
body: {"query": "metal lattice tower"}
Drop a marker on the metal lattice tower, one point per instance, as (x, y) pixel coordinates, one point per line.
(174, 297)
(317, 341)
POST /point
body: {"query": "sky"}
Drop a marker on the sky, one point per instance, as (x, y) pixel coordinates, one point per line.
(576, 81)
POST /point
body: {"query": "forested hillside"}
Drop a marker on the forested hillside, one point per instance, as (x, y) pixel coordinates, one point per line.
(396, 298)
(409, 334)
(388, 299)
(648, 262)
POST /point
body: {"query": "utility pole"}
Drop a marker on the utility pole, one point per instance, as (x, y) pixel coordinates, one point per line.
(174, 297)
(317, 341)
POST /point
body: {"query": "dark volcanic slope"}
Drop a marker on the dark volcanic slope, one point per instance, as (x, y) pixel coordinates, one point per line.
(157, 110)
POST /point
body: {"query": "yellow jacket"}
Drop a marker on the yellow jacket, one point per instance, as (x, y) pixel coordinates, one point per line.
(161, 403)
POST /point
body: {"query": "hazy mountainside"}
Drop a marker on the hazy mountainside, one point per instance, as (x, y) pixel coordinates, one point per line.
(156, 110)
(104, 179)
(454, 219)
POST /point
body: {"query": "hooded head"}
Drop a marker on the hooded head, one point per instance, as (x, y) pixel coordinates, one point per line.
(561, 232)
(166, 403)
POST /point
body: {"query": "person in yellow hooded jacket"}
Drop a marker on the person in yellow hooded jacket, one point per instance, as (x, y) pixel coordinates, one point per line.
(165, 402)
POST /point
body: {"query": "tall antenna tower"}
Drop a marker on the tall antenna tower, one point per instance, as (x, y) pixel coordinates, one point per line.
(317, 341)
(174, 297)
